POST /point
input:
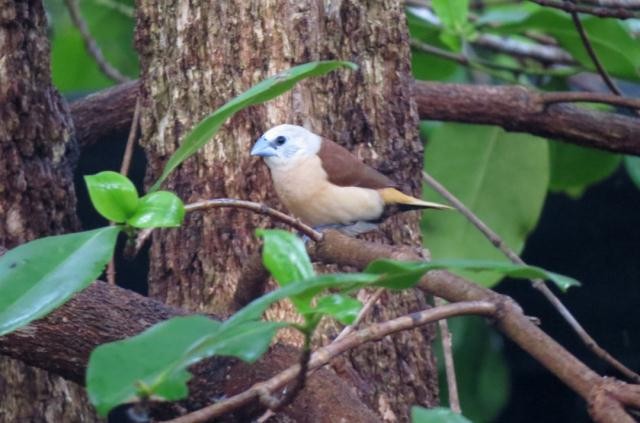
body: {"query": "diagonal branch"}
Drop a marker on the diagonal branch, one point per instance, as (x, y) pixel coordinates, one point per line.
(323, 355)
(538, 284)
(92, 47)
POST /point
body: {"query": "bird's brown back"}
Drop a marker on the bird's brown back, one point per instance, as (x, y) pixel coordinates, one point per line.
(344, 169)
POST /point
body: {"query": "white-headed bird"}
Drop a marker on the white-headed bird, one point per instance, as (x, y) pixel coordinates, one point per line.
(323, 184)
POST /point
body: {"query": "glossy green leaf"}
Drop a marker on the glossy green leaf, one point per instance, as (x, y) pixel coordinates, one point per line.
(502, 177)
(436, 415)
(307, 288)
(632, 164)
(452, 14)
(481, 369)
(41, 275)
(341, 307)
(400, 274)
(160, 209)
(615, 46)
(113, 195)
(574, 169)
(154, 362)
(263, 91)
(285, 256)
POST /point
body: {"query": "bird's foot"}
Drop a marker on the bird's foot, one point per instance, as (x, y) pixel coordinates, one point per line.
(352, 229)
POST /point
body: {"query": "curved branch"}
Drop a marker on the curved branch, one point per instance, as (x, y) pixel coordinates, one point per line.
(516, 108)
(323, 355)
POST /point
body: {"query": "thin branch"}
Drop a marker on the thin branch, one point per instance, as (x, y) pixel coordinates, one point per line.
(323, 355)
(488, 67)
(361, 315)
(258, 208)
(622, 4)
(449, 366)
(589, 97)
(540, 52)
(128, 150)
(538, 284)
(603, 12)
(90, 44)
(291, 392)
(591, 52)
(218, 203)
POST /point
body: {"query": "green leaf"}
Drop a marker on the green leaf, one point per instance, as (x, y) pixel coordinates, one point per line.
(113, 195)
(285, 256)
(157, 358)
(154, 363)
(632, 164)
(263, 91)
(341, 307)
(41, 275)
(307, 288)
(403, 274)
(436, 415)
(452, 14)
(160, 209)
(502, 177)
(615, 46)
(574, 169)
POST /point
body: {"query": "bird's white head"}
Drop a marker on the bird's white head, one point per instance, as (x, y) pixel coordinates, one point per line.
(283, 145)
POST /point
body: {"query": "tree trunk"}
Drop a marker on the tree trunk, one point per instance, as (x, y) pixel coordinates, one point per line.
(37, 197)
(195, 55)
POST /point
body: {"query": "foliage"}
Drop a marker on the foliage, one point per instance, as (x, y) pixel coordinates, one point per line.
(144, 373)
(41, 275)
(504, 178)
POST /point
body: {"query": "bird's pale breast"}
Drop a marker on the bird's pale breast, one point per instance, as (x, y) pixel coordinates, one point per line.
(305, 191)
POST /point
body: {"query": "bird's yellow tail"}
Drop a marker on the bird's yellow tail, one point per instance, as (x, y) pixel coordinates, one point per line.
(393, 196)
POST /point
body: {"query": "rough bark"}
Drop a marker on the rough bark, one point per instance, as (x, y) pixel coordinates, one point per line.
(200, 55)
(523, 110)
(104, 115)
(36, 191)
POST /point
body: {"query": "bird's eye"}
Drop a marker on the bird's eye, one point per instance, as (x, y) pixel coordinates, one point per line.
(280, 140)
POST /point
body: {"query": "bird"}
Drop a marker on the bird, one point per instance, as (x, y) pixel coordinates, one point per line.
(324, 184)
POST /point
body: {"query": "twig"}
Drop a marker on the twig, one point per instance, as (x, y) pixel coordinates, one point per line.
(591, 52)
(258, 208)
(218, 203)
(537, 283)
(128, 150)
(292, 392)
(124, 169)
(603, 12)
(486, 66)
(539, 52)
(90, 44)
(363, 312)
(323, 355)
(626, 4)
(589, 97)
(449, 366)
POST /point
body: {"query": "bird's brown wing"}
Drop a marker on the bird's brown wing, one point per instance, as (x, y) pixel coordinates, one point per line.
(344, 169)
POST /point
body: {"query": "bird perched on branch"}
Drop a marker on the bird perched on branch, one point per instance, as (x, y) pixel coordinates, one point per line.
(323, 184)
